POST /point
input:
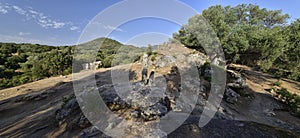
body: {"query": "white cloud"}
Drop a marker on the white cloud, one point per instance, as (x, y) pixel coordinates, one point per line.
(3, 10)
(22, 33)
(24, 39)
(57, 25)
(7, 7)
(19, 10)
(38, 17)
(33, 12)
(43, 17)
(109, 27)
(73, 28)
(18, 39)
(42, 21)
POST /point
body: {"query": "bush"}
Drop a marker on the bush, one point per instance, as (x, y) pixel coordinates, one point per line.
(277, 83)
(24, 79)
(68, 71)
(107, 62)
(294, 76)
(3, 83)
(291, 100)
(153, 57)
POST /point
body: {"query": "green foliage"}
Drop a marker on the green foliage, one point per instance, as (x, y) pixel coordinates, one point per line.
(12, 54)
(291, 100)
(23, 63)
(294, 76)
(290, 60)
(277, 83)
(153, 56)
(110, 52)
(249, 35)
(150, 50)
(127, 54)
(107, 62)
(4, 83)
(52, 63)
(205, 67)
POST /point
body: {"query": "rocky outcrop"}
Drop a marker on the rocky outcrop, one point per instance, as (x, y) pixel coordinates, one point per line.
(231, 96)
(90, 132)
(235, 80)
(164, 61)
(36, 96)
(147, 103)
(68, 108)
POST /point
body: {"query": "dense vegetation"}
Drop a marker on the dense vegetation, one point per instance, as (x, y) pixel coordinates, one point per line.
(22, 63)
(250, 35)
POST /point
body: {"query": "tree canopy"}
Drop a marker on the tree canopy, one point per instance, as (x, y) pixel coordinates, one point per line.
(249, 35)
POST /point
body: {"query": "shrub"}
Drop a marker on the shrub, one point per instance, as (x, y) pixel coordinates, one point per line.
(153, 57)
(108, 61)
(24, 79)
(205, 66)
(291, 100)
(294, 76)
(277, 83)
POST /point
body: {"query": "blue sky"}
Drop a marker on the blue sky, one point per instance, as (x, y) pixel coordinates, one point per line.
(61, 22)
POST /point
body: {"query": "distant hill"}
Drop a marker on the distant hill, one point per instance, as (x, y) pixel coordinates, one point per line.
(109, 50)
(22, 63)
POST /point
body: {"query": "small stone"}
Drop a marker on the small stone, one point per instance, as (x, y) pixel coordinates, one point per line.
(135, 114)
(231, 96)
(240, 124)
(269, 113)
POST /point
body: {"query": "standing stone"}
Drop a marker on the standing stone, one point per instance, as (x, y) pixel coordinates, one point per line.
(145, 68)
(151, 78)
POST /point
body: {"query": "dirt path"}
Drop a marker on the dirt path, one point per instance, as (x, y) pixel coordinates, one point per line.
(262, 107)
(260, 82)
(38, 113)
(29, 110)
(33, 86)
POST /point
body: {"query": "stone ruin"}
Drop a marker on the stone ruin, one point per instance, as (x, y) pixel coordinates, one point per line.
(92, 65)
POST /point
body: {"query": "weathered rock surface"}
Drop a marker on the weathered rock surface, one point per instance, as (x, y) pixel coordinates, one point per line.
(231, 96)
(164, 61)
(235, 80)
(147, 103)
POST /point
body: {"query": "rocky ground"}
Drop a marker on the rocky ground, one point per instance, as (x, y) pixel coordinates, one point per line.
(48, 108)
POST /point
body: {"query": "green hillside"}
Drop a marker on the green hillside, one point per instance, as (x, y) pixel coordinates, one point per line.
(22, 63)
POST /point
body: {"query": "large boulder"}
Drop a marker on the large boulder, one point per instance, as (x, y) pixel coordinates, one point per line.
(164, 61)
(235, 80)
